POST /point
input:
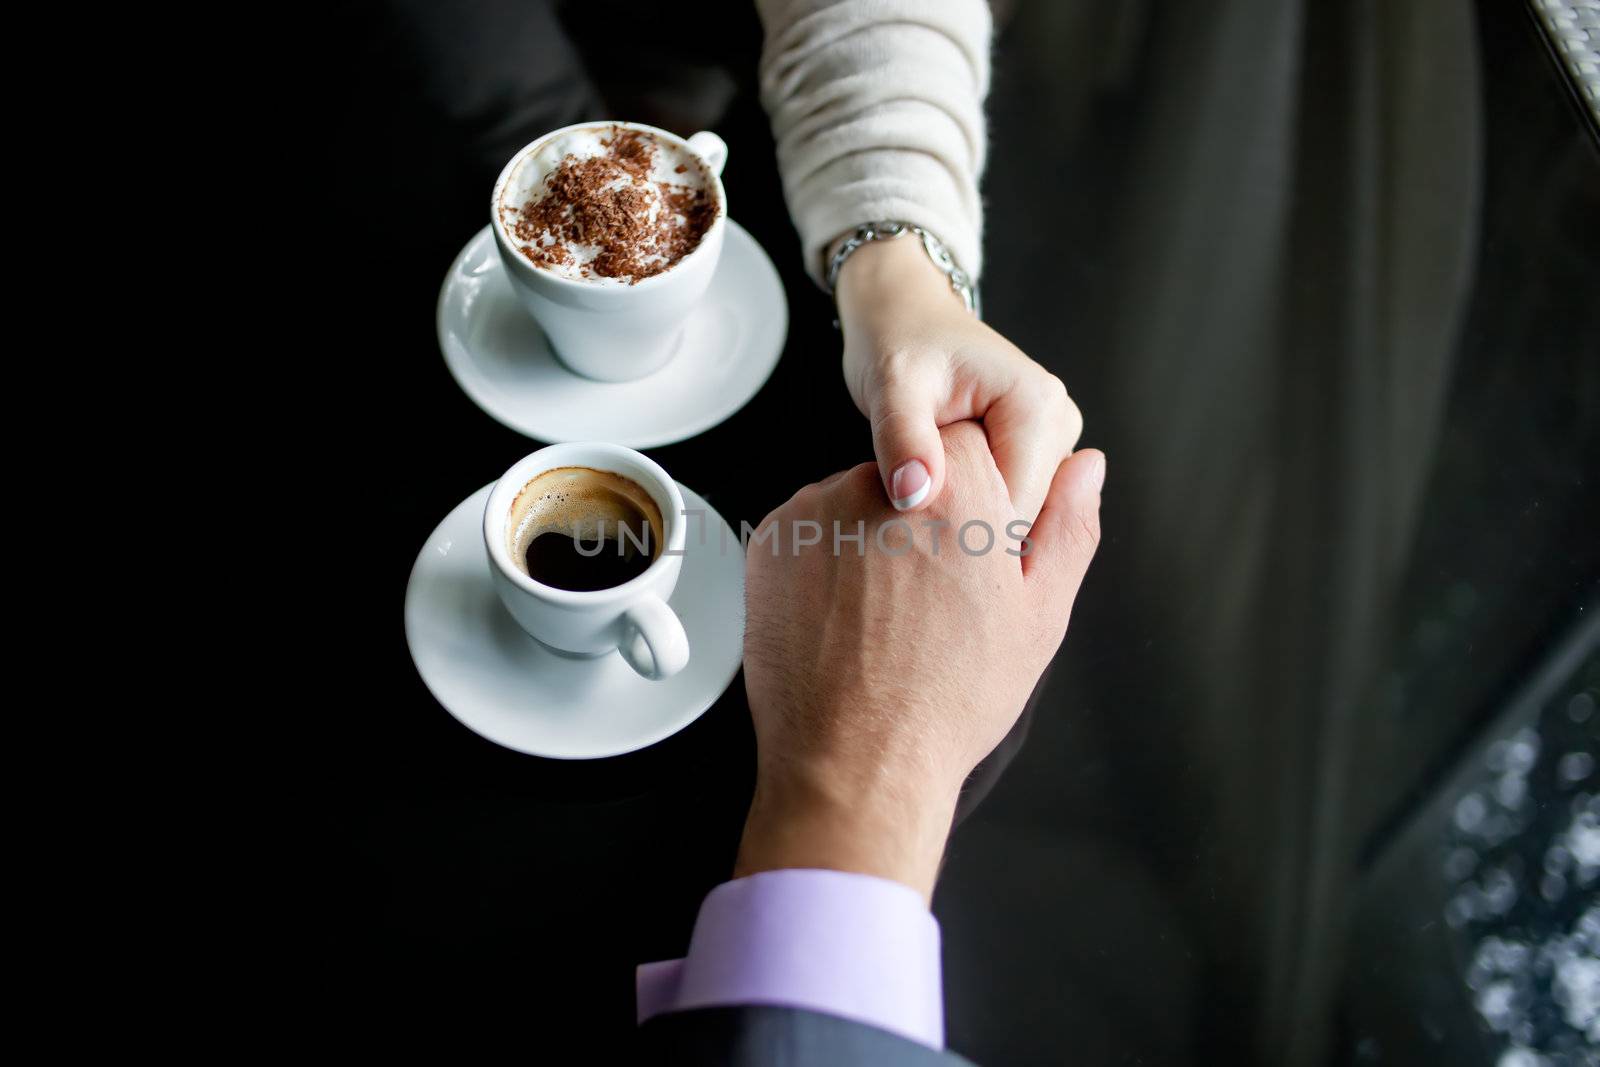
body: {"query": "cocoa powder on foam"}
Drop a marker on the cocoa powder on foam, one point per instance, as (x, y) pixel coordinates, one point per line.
(604, 202)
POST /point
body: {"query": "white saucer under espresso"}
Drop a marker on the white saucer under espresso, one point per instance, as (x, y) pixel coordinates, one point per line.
(497, 354)
(505, 686)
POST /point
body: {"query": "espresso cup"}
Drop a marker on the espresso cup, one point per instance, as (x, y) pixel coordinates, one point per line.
(613, 332)
(633, 618)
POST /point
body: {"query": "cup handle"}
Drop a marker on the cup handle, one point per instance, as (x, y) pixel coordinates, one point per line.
(656, 645)
(712, 149)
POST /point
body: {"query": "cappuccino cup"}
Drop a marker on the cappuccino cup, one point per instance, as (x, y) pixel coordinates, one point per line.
(585, 544)
(604, 324)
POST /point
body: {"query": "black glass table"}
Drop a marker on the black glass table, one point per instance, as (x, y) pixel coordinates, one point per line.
(1323, 279)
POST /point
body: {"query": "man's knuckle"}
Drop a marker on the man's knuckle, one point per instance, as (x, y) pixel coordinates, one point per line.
(863, 477)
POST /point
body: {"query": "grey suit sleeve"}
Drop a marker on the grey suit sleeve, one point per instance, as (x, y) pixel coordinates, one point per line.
(758, 1036)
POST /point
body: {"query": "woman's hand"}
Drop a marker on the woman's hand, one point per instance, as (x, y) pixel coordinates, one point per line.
(916, 359)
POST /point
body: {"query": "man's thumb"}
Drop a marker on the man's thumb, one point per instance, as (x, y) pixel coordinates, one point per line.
(1064, 537)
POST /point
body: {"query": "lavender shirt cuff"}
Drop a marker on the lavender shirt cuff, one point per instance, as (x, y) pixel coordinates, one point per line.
(851, 945)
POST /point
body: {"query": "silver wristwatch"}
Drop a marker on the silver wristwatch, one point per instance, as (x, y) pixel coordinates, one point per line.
(960, 281)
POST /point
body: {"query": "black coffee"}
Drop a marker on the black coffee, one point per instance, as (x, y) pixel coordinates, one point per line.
(584, 529)
(566, 563)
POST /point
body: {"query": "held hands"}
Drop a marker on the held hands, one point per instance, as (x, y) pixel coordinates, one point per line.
(881, 673)
(916, 359)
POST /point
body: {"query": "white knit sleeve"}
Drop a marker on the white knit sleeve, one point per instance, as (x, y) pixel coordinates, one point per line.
(877, 108)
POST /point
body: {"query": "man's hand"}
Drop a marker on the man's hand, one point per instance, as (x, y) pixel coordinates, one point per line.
(916, 359)
(879, 679)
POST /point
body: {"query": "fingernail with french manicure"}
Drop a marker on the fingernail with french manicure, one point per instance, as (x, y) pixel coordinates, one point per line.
(909, 485)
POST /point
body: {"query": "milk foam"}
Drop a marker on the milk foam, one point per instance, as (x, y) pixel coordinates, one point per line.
(587, 143)
(670, 163)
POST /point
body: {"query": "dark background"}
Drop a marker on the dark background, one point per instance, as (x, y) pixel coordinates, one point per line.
(1322, 278)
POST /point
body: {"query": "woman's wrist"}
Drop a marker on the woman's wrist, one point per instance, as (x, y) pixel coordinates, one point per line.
(882, 280)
